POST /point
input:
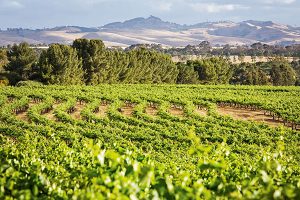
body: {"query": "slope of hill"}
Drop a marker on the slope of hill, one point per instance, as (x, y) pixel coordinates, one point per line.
(155, 30)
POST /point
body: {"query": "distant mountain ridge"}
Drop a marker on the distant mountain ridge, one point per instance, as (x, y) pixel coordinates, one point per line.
(144, 23)
(154, 30)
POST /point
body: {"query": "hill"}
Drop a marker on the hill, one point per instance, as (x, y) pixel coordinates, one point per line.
(154, 30)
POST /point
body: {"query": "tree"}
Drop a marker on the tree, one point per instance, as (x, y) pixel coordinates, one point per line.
(145, 66)
(226, 50)
(60, 65)
(137, 65)
(249, 74)
(163, 68)
(3, 59)
(21, 59)
(111, 70)
(257, 49)
(186, 75)
(282, 72)
(241, 58)
(253, 58)
(204, 48)
(296, 67)
(94, 57)
(3, 62)
(215, 70)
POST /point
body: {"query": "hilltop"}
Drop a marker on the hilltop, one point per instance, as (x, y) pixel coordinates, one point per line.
(155, 30)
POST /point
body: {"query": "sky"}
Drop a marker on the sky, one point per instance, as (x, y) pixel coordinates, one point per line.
(95, 13)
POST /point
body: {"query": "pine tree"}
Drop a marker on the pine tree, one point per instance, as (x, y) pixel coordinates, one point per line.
(60, 65)
(282, 72)
(21, 59)
(94, 58)
(249, 74)
(187, 74)
(215, 70)
(296, 67)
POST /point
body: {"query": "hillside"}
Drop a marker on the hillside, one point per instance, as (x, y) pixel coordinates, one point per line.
(155, 30)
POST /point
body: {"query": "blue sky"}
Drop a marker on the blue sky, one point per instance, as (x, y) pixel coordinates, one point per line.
(94, 13)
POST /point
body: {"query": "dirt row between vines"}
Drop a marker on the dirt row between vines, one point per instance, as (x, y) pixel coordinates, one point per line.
(151, 111)
(235, 113)
(250, 115)
(23, 115)
(50, 115)
(201, 112)
(78, 108)
(178, 112)
(127, 111)
(102, 110)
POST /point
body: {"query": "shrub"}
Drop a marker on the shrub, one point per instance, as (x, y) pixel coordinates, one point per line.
(29, 84)
(4, 82)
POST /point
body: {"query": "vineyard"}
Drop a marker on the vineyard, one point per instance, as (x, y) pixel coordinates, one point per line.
(150, 142)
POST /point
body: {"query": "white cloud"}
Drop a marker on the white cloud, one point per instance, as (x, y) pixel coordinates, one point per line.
(215, 8)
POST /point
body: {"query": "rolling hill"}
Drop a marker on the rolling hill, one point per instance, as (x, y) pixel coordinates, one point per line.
(155, 30)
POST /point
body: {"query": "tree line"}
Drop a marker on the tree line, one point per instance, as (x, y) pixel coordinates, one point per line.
(89, 62)
(85, 62)
(206, 49)
(217, 70)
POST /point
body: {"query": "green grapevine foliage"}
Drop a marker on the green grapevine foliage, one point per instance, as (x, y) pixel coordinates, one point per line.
(54, 155)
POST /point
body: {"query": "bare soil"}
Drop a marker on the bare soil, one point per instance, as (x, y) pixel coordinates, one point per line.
(78, 108)
(244, 114)
(151, 111)
(178, 112)
(50, 115)
(102, 111)
(127, 111)
(201, 112)
(23, 115)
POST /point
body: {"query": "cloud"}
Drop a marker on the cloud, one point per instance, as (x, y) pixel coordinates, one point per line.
(164, 6)
(160, 5)
(91, 2)
(216, 8)
(279, 1)
(8, 4)
(48, 13)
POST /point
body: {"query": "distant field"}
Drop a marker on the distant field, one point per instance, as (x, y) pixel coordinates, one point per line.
(149, 141)
(233, 59)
